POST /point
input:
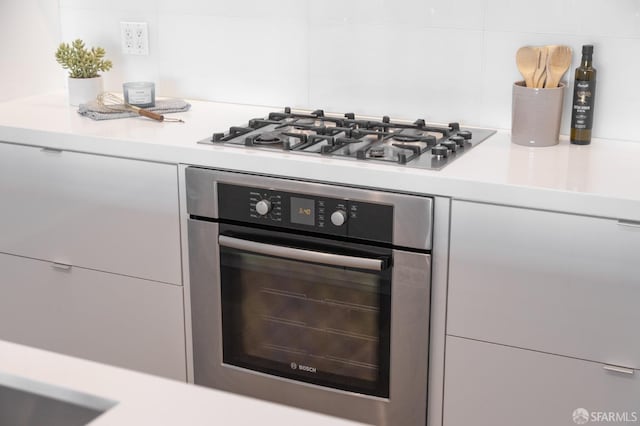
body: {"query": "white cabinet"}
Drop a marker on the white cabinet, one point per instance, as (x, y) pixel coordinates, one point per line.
(103, 213)
(90, 258)
(542, 317)
(124, 321)
(489, 384)
(557, 283)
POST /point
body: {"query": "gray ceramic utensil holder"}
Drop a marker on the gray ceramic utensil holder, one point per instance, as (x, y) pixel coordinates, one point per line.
(536, 115)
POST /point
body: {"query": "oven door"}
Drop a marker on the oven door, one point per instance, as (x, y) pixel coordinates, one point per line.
(239, 365)
(307, 309)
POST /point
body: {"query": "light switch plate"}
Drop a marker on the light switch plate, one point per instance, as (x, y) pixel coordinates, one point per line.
(135, 38)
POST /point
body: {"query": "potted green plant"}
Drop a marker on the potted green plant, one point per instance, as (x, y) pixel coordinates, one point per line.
(84, 65)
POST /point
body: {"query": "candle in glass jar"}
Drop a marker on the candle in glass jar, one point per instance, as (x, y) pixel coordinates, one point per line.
(140, 93)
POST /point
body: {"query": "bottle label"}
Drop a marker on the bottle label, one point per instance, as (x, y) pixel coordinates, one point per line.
(583, 98)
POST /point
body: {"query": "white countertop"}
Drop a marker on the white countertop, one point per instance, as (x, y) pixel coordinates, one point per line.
(143, 399)
(601, 179)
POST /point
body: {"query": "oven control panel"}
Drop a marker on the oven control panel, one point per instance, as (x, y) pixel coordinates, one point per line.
(313, 213)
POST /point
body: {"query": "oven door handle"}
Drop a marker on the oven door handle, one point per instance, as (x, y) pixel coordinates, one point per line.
(301, 254)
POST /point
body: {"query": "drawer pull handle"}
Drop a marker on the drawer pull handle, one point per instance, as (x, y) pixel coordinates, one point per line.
(629, 223)
(616, 369)
(61, 266)
(52, 151)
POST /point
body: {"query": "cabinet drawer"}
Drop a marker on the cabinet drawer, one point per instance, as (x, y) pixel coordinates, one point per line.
(552, 282)
(124, 321)
(103, 213)
(495, 385)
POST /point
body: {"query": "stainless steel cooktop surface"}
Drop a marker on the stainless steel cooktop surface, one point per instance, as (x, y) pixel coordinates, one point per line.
(417, 144)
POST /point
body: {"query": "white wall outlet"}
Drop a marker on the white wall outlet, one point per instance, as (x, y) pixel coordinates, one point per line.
(135, 38)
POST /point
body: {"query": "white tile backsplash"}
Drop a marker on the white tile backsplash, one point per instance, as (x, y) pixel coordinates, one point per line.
(619, 18)
(394, 70)
(539, 17)
(424, 13)
(29, 37)
(266, 11)
(443, 60)
(113, 5)
(234, 59)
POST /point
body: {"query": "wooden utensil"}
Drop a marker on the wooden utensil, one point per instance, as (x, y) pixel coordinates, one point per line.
(558, 63)
(115, 103)
(540, 73)
(527, 62)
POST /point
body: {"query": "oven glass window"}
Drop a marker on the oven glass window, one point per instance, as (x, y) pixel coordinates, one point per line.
(320, 324)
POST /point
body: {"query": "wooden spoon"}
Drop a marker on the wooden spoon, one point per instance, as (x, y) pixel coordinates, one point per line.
(527, 61)
(558, 63)
(541, 70)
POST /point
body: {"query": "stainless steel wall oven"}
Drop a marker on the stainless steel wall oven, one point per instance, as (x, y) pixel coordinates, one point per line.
(311, 295)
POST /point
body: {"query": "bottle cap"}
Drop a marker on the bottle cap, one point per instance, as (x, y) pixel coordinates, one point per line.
(587, 49)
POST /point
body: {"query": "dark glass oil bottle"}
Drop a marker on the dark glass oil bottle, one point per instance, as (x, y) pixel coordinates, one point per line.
(584, 94)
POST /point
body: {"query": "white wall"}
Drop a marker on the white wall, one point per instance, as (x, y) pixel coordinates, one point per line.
(442, 60)
(29, 37)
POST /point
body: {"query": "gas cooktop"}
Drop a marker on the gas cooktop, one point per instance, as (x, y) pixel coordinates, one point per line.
(416, 144)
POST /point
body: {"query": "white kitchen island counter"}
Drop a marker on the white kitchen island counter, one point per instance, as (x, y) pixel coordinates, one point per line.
(148, 400)
(601, 179)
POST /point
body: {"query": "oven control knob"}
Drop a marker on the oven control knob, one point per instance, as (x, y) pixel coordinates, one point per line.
(263, 207)
(465, 134)
(339, 217)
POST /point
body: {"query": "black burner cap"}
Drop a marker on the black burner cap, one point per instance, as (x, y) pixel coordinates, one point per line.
(267, 138)
(408, 135)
